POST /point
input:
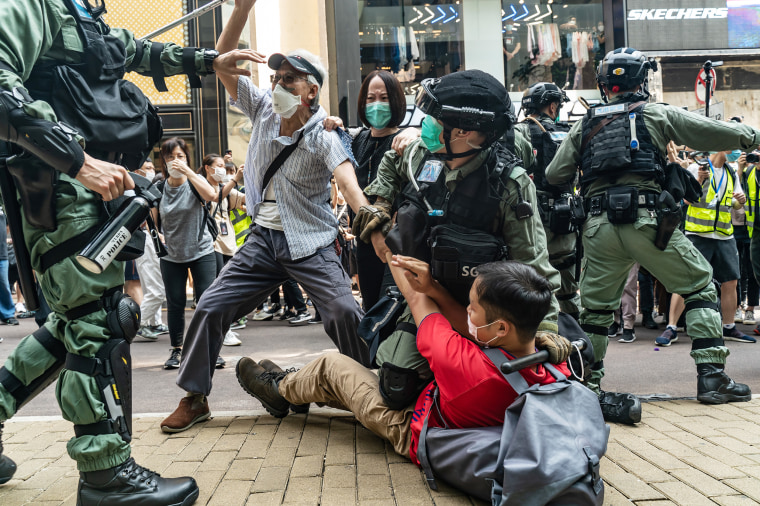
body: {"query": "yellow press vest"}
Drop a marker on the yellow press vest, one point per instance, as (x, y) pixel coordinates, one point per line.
(241, 223)
(702, 218)
(750, 207)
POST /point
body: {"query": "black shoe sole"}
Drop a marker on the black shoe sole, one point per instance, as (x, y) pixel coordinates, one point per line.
(187, 501)
(272, 411)
(718, 398)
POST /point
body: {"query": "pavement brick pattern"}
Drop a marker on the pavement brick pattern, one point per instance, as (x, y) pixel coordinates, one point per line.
(682, 453)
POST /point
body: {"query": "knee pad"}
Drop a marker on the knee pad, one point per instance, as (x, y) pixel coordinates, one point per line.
(112, 370)
(399, 386)
(25, 393)
(123, 316)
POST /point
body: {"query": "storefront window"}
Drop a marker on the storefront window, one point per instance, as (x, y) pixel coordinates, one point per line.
(413, 39)
(554, 41)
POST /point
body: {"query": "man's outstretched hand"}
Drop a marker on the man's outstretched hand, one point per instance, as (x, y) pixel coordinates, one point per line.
(416, 273)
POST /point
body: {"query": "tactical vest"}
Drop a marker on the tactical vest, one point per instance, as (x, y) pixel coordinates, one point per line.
(708, 216)
(751, 206)
(545, 140)
(476, 200)
(606, 149)
(117, 121)
(241, 223)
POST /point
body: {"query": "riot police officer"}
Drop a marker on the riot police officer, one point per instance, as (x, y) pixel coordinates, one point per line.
(72, 125)
(620, 148)
(464, 200)
(542, 103)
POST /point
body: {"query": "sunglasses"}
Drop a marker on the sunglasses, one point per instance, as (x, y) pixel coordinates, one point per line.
(287, 79)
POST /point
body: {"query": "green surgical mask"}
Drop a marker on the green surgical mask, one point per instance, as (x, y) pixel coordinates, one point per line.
(378, 114)
(431, 134)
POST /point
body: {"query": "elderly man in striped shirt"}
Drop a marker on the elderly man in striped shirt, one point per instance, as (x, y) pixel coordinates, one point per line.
(293, 231)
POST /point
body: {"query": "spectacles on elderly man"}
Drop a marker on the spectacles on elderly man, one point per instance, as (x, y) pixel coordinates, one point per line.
(287, 79)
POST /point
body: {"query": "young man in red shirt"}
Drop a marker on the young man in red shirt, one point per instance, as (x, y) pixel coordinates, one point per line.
(508, 300)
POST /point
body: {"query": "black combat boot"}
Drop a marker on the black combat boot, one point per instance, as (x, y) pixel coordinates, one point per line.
(620, 407)
(715, 387)
(648, 320)
(7, 466)
(131, 484)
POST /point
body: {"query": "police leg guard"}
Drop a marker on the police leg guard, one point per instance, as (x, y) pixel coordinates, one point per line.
(714, 386)
(399, 386)
(7, 466)
(112, 369)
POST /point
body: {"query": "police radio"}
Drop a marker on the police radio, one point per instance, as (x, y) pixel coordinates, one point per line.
(114, 235)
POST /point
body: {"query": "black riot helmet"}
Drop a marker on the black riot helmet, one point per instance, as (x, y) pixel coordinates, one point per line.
(624, 69)
(471, 100)
(540, 95)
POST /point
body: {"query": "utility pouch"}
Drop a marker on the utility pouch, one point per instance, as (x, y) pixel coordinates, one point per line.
(561, 216)
(622, 205)
(456, 253)
(668, 219)
(578, 211)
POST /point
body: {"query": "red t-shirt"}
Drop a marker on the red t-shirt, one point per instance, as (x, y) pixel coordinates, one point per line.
(472, 392)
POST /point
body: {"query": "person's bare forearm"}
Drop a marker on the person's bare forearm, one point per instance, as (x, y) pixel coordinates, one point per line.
(345, 178)
(452, 310)
(230, 36)
(420, 304)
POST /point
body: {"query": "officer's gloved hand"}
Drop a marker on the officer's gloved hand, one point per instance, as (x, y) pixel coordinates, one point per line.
(558, 347)
(371, 218)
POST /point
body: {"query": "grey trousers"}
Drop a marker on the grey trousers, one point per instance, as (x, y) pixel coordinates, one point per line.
(260, 265)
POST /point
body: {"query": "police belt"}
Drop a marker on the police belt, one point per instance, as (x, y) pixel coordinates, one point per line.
(646, 200)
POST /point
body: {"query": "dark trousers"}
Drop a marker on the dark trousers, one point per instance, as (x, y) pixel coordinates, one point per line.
(646, 291)
(373, 274)
(175, 282)
(747, 287)
(293, 296)
(261, 265)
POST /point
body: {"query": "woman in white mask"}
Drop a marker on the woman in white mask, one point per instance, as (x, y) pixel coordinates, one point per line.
(188, 237)
(215, 171)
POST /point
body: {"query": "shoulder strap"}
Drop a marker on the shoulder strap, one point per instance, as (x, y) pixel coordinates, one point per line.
(515, 379)
(206, 215)
(278, 161)
(422, 454)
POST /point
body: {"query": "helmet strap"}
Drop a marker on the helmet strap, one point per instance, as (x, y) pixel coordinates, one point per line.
(447, 142)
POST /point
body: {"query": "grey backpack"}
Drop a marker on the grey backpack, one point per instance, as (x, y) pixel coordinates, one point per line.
(547, 452)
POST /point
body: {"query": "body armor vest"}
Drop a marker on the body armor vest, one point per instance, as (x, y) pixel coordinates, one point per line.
(616, 141)
(476, 200)
(116, 119)
(546, 143)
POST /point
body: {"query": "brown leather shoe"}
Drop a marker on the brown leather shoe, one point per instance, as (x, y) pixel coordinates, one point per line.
(191, 410)
(272, 367)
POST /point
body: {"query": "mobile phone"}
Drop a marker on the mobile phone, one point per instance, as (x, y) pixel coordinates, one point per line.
(228, 152)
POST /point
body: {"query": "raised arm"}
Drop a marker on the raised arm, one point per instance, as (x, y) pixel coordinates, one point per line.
(227, 45)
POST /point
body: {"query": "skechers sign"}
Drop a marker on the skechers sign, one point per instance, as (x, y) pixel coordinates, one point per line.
(693, 25)
(666, 14)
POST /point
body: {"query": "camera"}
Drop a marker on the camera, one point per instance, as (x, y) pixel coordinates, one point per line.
(753, 158)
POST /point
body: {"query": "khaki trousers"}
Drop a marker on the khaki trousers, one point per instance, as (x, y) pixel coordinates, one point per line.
(340, 382)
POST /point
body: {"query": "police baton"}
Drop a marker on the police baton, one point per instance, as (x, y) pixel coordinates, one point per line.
(534, 358)
(187, 17)
(708, 68)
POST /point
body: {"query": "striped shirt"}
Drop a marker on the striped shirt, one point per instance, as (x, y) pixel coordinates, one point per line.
(302, 184)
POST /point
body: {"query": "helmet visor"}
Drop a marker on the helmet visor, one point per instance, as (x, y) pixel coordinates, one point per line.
(425, 100)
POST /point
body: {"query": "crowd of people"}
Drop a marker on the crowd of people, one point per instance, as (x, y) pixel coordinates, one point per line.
(470, 227)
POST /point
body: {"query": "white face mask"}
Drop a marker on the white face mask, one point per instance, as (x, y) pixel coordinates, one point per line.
(175, 173)
(284, 102)
(150, 174)
(226, 178)
(473, 330)
(219, 173)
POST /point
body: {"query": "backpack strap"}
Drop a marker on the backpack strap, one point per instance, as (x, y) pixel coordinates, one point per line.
(422, 454)
(515, 379)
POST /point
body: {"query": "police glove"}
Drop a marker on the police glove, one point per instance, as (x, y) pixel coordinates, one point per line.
(371, 218)
(558, 347)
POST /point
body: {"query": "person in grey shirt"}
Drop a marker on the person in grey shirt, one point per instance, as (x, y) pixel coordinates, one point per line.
(294, 230)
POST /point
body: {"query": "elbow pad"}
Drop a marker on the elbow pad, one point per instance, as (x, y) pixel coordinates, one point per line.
(53, 143)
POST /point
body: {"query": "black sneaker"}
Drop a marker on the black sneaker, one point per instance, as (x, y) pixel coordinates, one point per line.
(174, 358)
(734, 334)
(7, 466)
(8, 321)
(715, 387)
(220, 362)
(614, 330)
(628, 336)
(130, 483)
(648, 320)
(26, 314)
(620, 407)
(288, 315)
(262, 385)
(272, 367)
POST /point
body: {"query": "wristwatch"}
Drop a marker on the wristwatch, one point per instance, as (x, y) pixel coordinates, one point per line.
(209, 55)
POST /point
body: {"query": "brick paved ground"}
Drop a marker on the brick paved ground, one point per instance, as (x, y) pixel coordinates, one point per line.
(682, 453)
